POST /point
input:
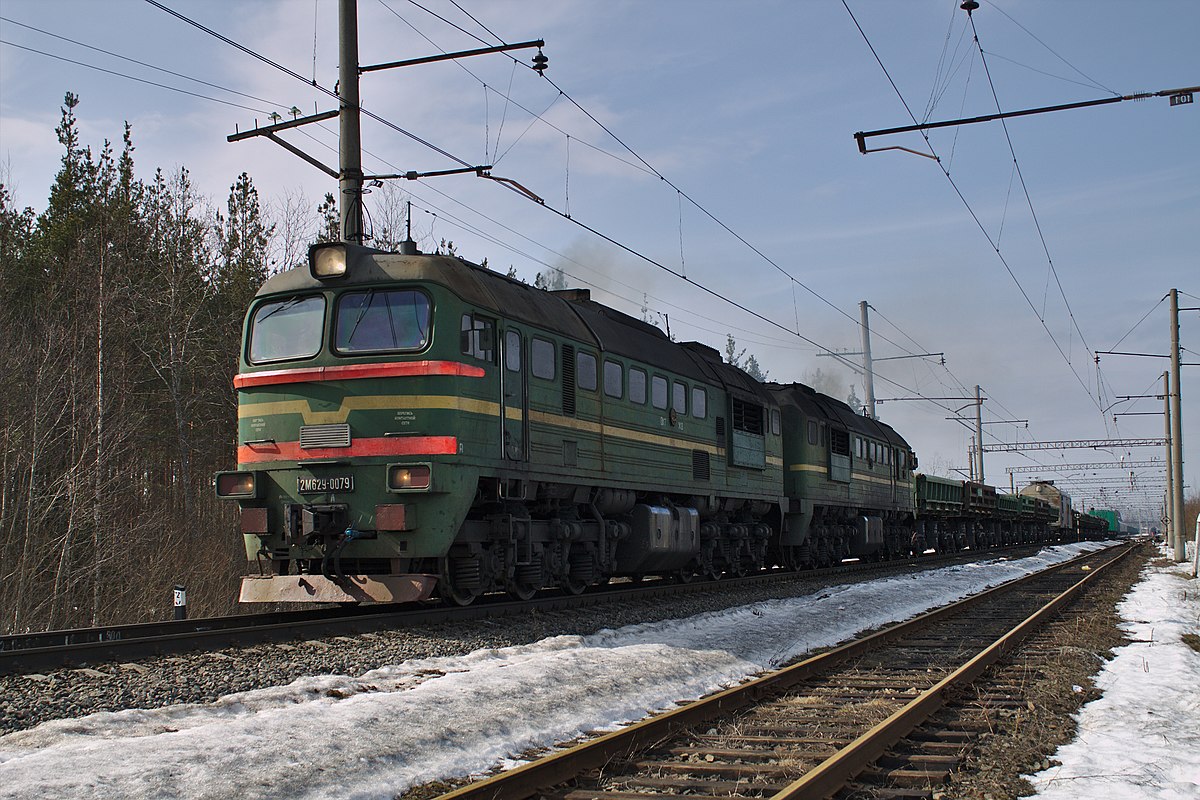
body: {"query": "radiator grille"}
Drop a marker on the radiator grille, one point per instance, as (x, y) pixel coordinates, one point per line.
(317, 436)
(568, 379)
(700, 467)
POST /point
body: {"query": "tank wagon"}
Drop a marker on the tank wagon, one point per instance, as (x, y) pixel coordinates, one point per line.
(412, 423)
(1060, 501)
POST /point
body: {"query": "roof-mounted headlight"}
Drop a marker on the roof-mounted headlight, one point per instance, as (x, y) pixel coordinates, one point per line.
(327, 261)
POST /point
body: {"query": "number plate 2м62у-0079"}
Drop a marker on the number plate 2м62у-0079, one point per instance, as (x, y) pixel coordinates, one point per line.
(335, 483)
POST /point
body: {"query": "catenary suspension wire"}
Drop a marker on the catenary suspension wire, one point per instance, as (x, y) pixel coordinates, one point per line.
(1092, 81)
(652, 170)
(971, 211)
(1021, 175)
(143, 64)
(307, 82)
(133, 77)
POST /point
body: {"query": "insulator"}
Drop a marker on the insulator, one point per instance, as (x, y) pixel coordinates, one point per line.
(540, 62)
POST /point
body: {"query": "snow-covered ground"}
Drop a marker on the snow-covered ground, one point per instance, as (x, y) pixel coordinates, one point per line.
(1141, 739)
(374, 735)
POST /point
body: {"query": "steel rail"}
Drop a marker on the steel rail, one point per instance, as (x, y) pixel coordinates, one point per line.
(836, 771)
(24, 653)
(537, 776)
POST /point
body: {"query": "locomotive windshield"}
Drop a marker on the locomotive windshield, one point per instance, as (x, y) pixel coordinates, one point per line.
(284, 330)
(382, 319)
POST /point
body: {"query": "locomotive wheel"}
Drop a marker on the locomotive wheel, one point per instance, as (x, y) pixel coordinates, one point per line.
(459, 581)
(575, 585)
(522, 591)
(526, 581)
(458, 597)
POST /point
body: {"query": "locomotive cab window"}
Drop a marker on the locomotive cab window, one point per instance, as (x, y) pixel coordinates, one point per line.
(541, 357)
(637, 386)
(478, 337)
(776, 422)
(699, 402)
(585, 367)
(812, 431)
(286, 330)
(614, 375)
(382, 320)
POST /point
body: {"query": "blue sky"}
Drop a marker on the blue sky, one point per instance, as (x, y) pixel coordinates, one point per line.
(749, 109)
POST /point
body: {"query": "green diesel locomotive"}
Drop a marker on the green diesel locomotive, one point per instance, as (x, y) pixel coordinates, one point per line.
(412, 423)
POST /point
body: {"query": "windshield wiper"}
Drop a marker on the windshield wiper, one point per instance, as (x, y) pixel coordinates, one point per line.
(275, 311)
(361, 313)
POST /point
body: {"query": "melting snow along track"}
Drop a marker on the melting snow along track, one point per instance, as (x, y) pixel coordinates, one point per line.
(854, 722)
(24, 653)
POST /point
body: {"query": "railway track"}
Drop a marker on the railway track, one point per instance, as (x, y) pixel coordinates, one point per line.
(886, 716)
(34, 652)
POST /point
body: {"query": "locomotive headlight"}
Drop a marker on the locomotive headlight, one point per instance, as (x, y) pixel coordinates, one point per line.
(408, 477)
(327, 261)
(237, 485)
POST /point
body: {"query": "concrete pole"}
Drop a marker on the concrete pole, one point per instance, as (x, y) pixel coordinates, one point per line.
(1169, 498)
(350, 161)
(868, 369)
(1177, 434)
(978, 434)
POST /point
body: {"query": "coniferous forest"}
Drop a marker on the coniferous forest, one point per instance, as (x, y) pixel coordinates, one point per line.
(121, 306)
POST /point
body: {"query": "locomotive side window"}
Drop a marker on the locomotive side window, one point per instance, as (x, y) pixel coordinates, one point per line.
(613, 379)
(512, 351)
(379, 320)
(541, 356)
(699, 402)
(637, 386)
(658, 392)
(585, 366)
(812, 431)
(478, 337)
(284, 330)
(776, 422)
(839, 442)
(679, 397)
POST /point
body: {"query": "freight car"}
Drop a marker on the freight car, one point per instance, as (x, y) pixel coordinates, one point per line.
(412, 423)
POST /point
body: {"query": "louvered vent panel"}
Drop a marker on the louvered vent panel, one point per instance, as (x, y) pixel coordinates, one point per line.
(720, 427)
(700, 468)
(317, 436)
(568, 379)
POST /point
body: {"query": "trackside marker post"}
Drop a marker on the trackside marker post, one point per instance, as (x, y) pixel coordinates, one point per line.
(180, 601)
